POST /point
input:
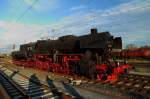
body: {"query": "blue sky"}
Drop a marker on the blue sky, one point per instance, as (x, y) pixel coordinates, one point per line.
(53, 18)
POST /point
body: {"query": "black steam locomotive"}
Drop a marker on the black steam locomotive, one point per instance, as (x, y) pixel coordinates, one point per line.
(69, 54)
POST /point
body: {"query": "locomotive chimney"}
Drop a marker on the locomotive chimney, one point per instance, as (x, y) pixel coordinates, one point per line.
(94, 31)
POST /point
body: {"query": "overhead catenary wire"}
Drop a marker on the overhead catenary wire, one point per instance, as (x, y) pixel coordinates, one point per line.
(23, 14)
(29, 8)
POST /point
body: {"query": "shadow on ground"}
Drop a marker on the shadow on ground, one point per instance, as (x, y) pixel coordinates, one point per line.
(34, 90)
(14, 73)
(72, 91)
(53, 88)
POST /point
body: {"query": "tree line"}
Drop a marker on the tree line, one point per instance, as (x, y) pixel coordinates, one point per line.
(132, 46)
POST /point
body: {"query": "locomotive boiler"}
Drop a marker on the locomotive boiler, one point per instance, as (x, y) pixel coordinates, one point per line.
(86, 55)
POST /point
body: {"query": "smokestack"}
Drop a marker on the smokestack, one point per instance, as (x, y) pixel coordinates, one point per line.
(94, 31)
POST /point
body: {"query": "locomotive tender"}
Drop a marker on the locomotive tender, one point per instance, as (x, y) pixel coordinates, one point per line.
(86, 55)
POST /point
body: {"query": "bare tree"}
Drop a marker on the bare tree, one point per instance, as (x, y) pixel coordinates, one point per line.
(145, 47)
(131, 46)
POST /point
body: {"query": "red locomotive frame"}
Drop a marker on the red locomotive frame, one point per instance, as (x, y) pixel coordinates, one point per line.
(46, 62)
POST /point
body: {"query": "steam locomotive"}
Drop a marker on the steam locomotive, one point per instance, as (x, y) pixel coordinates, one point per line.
(86, 55)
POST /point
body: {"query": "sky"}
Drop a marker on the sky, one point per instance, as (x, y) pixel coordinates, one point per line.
(23, 21)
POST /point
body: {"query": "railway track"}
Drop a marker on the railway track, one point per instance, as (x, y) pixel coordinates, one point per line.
(11, 87)
(129, 86)
(22, 87)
